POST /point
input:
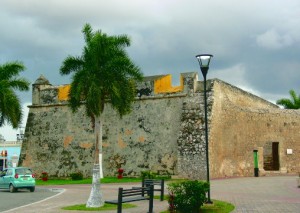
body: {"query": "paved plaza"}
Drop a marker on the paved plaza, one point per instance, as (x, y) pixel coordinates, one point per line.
(278, 194)
(250, 194)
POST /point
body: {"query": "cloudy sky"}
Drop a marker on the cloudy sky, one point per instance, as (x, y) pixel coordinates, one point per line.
(256, 44)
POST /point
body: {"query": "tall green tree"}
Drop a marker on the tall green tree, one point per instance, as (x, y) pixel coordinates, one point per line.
(10, 105)
(293, 103)
(103, 74)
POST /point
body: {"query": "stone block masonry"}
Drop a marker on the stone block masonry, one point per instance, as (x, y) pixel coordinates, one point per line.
(164, 131)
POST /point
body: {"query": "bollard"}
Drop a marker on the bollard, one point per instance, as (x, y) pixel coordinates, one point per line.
(255, 155)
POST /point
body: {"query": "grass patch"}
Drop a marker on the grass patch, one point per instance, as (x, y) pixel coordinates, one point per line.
(123, 180)
(218, 206)
(107, 206)
(62, 182)
(87, 181)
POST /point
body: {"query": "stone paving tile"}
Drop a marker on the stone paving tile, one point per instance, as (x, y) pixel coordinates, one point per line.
(259, 194)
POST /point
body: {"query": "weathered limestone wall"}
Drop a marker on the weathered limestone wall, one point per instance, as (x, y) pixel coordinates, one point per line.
(145, 139)
(242, 123)
(57, 141)
(191, 141)
(61, 142)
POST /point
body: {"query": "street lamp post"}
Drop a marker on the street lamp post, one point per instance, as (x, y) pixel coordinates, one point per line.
(204, 60)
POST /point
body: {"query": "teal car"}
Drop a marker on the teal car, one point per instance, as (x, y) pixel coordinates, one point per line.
(17, 178)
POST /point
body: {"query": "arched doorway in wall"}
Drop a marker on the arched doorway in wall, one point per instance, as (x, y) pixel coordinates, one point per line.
(271, 156)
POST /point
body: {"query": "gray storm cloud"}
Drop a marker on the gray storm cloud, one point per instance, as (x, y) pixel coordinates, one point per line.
(255, 43)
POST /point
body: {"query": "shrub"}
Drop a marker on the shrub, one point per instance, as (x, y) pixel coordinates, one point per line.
(187, 196)
(148, 175)
(76, 176)
(163, 174)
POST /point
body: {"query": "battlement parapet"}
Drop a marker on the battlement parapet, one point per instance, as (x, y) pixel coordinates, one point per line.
(44, 93)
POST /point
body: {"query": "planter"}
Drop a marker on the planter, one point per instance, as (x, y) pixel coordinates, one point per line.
(44, 179)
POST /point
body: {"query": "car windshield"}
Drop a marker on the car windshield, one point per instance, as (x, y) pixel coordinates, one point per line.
(23, 171)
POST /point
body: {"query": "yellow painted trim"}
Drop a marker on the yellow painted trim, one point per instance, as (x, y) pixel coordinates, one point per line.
(63, 92)
(164, 85)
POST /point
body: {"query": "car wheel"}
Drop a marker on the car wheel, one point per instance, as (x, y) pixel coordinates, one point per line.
(32, 189)
(12, 188)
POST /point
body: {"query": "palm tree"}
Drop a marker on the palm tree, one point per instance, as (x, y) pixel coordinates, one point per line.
(10, 106)
(103, 73)
(293, 103)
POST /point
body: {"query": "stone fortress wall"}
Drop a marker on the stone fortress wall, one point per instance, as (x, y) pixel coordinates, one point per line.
(241, 123)
(164, 131)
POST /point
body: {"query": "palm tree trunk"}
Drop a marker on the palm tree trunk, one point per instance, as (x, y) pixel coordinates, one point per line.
(96, 198)
(98, 126)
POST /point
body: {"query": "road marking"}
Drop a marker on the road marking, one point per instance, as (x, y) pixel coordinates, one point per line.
(60, 191)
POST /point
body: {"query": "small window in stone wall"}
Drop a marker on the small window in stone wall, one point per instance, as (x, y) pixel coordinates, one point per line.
(271, 156)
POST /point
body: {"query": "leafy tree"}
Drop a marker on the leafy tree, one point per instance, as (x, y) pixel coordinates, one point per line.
(10, 106)
(103, 72)
(293, 103)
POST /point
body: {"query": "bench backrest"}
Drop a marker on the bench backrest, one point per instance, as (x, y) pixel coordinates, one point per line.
(134, 191)
(155, 182)
(146, 182)
(136, 194)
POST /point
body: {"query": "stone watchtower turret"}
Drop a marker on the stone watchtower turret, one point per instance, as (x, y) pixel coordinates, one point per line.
(40, 84)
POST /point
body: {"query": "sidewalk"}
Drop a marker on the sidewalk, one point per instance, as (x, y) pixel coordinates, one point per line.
(250, 194)
(259, 194)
